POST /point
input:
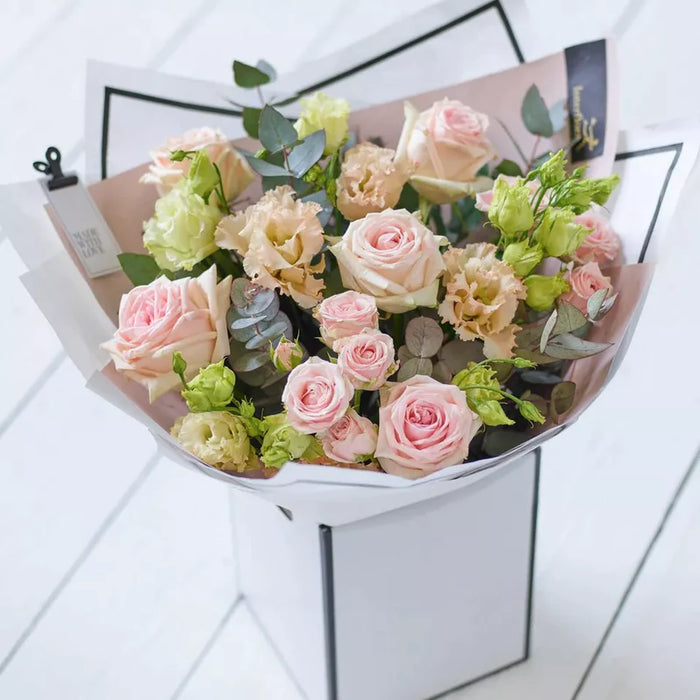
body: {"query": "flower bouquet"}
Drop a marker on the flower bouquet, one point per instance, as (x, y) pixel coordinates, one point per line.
(357, 316)
(390, 309)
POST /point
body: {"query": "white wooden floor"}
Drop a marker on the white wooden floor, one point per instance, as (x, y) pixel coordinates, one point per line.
(116, 567)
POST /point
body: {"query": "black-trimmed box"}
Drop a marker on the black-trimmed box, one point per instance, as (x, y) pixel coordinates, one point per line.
(404, 605)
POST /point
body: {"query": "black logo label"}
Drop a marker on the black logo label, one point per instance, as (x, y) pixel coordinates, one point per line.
(587, 99)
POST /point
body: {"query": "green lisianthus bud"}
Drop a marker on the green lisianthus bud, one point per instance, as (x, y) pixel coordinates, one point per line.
(485, 403)
(543, 291)
(215, 437)
(181, 232)
(510, 208)
(282, 442)
(202, 175)
(286, 355)
(602, 188)
(323, 112)
(523, 257)
(211, 389)
(530, 412)
(552, 171)
(558, 233)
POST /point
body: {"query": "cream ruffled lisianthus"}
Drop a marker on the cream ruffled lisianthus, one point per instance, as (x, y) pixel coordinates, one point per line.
(278, 237)
(482, 294)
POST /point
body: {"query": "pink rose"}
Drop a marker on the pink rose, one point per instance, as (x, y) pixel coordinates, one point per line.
(392, 256)
(316, 396)
(186, 315)
(584, 282)
(424, 426)
(346, 314)
(366, 359)
(444, 147)
(286, 355)
(164, 173)
(351, 439)
(601, 245)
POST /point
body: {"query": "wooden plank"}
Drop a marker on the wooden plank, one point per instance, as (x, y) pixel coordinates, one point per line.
(652, 649)
(137, 612)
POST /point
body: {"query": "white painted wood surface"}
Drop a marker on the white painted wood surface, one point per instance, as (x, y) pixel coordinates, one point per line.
(117, 574)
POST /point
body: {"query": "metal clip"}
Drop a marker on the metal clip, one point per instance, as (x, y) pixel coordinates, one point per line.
(52, 168)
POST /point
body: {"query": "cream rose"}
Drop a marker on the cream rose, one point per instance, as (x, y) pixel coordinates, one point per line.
(164, 173)
(186, 315)
(424, 425)
(601, 245)
(369, 181)
(351, 439)
(443, 148)
(366, 359)
(481, 298)
(346, 314)
(278, 238)
(316, 396)
(393, 257)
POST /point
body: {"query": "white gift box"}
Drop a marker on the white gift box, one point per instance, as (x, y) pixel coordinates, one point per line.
(406, 604)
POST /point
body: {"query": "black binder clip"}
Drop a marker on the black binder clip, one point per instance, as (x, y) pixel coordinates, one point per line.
(52, 168)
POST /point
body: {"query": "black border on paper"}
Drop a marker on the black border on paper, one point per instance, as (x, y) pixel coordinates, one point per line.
(327, 580)
(109, 91)
(673, 147)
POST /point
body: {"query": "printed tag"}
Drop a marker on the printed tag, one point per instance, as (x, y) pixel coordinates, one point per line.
(87, 231)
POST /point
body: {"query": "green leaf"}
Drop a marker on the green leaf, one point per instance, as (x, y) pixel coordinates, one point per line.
(249, 361)
(595, 303)
(276, 131)
(569, 347)
(569, 319)
(416, 365)
(140, 269)
(408, 199)
(500, 440)
(266, 68)
(423, 336)
(536, 376)
(321, 198)
(251, 121)
(548, 328)
(562, 398)
(557, 115)
(535, 114)
(457, 354)
(509, 167)
(262, 167)
(307, 153)
(247, 76)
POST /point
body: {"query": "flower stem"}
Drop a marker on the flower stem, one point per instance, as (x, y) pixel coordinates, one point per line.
(397, 321)
(356, 401)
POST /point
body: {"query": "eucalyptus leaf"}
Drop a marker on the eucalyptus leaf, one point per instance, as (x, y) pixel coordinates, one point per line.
(442, 372)
(503, 371)
(307, 153)
(607, 305)
(569, 347)
(262, 167)
(140, 269)
(535, 114)
(548, 328)
(404, 354)
(423, 337)
(414, 366)
(569, 319)
(595, 303)
(321, 198)
(276, 131)
(266, 68)
(251, 121)
(509, 167)
(500, 440)
(562, 398)
(536, 357)
(249, 361)
(243, 335)
(557, 115)
(260, 302)
(244, 322)
(457, 354)
(247, 76)
(537, 376)
(257, 342)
